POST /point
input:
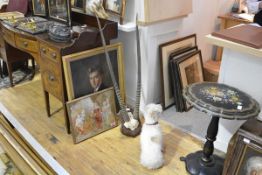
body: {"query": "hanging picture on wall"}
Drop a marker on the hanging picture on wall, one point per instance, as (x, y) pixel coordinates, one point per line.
(59, 10)
(116, 7)
(165, 50)
(39, 7)
(92, 114)
(87, 72)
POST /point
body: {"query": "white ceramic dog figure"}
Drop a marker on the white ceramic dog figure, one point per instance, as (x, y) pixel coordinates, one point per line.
(151, 138)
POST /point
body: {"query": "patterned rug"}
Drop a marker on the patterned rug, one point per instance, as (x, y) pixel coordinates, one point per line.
(18, 77)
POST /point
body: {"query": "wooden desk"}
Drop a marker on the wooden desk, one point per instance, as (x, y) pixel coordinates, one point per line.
(228, 21)
(211, 67)
(48, 54)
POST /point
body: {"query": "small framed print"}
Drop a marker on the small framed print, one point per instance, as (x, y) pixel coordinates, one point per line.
(78, 4)
(39, 7)
(60, 10)
(190, 71)
(165, 50)
(175, 78)
(92, 114)
(116, 7)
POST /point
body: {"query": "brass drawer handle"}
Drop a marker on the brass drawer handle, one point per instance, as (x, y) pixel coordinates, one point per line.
(51, 77)
(25, 43)
(43, 50)
(53, 55)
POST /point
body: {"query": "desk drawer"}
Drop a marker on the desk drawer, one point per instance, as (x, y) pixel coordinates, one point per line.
(47, 52)
(9, 37)
(26, 44)
(51, 78)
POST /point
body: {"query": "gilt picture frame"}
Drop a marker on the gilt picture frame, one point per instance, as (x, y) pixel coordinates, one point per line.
(251, 156)
(165, 50)
(92, 114)
(77, 67)
(39, 8)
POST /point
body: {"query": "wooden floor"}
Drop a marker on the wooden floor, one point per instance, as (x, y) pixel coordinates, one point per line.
(105, 154)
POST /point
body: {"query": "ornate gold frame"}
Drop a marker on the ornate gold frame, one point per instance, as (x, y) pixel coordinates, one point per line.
(85, 55)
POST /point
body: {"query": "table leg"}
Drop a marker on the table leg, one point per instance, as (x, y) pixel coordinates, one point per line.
(47, 103)
(204, 162)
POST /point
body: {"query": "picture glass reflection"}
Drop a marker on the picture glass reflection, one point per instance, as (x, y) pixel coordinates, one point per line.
(58, 9)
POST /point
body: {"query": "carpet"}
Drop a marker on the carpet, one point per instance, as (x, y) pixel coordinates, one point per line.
(18, 77)
(192, 122)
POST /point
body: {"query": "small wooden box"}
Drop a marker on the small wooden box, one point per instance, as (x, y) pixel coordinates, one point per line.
(244, 148)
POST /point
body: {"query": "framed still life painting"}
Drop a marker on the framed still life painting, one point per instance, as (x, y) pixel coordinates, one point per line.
(39, 7)
(165, 50)
(191, 69)
(92, 114)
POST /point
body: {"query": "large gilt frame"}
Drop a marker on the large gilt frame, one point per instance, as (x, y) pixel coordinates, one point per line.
(68, 59)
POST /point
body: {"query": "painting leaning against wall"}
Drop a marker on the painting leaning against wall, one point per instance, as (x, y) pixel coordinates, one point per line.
(92, 114)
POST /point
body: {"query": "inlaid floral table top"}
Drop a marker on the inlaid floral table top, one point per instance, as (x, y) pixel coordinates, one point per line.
(221, 100)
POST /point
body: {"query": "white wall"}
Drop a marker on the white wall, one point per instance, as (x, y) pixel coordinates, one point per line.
(202, 21)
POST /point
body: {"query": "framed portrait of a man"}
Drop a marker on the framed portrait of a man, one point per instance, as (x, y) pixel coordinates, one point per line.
(87, 72)
(59, 10)
(39, 7)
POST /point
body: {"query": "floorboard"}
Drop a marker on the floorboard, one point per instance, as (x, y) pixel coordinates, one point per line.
(107, 153)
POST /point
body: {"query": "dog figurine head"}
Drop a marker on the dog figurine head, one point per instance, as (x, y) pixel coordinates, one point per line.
(152, 112)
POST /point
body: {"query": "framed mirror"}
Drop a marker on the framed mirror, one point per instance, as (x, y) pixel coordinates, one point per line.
(78, 4)
(39, 7)
(59, 10)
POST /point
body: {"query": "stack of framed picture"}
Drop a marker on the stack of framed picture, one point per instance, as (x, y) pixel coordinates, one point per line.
(181, 65)
(91, 105)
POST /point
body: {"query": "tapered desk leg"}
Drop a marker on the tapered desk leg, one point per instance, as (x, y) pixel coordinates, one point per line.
(47, 103)
(66, 119)
(10, 73)
(204, 162)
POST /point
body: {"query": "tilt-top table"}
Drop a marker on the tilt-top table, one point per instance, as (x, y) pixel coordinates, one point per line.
(217, 100)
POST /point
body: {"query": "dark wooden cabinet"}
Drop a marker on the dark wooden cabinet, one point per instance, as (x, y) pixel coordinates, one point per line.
(244, 149)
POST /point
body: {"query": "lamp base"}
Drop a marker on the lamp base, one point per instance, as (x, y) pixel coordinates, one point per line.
(196, 166)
